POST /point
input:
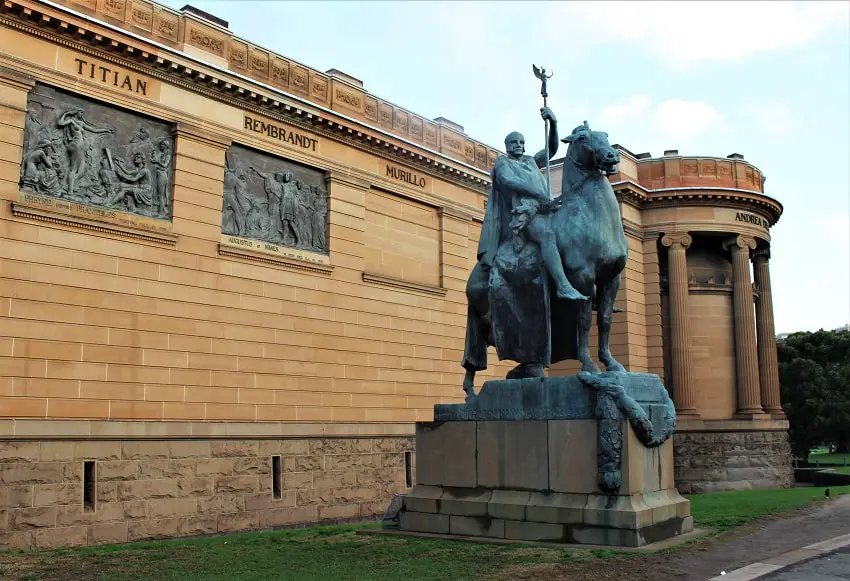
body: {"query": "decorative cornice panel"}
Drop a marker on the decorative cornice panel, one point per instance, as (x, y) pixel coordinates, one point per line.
(108, 46)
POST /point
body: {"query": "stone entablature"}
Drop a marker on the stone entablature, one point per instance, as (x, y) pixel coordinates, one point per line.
(194, 36)
(133, 56)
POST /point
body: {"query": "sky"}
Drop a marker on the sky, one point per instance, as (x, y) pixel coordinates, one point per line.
(769, 80)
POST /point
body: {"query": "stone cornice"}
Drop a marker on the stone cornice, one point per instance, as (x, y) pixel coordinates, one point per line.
(201, 135)
(120, 47)
(633, 193)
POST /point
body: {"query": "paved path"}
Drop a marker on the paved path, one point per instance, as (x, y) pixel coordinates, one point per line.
(773, 537)
(832, 567)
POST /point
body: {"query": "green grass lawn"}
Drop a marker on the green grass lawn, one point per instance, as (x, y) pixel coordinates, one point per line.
(823, 456)
(337, 553)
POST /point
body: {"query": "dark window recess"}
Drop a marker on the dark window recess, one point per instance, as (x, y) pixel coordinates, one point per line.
(408, 469)
(89, 485)
(276, 477)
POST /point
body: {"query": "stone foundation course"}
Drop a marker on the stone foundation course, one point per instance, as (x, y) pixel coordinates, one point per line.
(143, 490)
(715, 461)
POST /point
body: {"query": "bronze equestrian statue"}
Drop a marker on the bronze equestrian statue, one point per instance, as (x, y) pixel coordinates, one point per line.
(515, 302)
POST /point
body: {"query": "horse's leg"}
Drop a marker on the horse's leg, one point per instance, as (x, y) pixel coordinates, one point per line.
(604, 317)
(583, 282)
(477, 327)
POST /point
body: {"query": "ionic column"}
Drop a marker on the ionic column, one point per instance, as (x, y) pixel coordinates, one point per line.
(768, 362)
(680, 336)
(746, 359)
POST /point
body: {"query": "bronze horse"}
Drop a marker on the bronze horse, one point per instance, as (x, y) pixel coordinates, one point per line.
(512, 305)
(589, 230)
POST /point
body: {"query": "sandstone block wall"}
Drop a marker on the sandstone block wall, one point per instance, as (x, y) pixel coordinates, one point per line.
(173, 488)
(714, 461)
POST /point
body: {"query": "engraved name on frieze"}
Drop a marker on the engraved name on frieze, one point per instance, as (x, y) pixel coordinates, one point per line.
(280, 71)
(452, 142)
(405, 176)
(259, 63)
(273, 201)
(751, 219)
(371, 108)
(110, 76)
(205, 41)
(142, 16)
(299, 79)
(92, 154)
(239, 55)
(167, 26)
(280, 133)
(350, 99)
(114, 8)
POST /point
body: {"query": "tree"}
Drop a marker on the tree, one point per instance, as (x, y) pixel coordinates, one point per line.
(814, 375)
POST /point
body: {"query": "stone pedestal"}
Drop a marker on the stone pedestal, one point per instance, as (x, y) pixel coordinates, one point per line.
(536, 479)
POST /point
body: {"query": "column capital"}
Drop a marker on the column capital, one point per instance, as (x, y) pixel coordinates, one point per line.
(740, 241)
(195, 133)
(673, 239)
(762, 254)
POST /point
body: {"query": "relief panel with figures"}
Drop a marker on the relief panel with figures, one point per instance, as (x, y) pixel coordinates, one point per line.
(275, 201)
(81, 151)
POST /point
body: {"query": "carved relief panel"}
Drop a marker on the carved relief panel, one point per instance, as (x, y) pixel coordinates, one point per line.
(83, 151)
(273, 200)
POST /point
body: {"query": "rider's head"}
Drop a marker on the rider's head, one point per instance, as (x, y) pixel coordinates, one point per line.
(515, 144)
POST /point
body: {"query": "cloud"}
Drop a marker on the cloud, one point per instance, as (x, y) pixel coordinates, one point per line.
(685, 34)
(631, 108)
(772, 119)
(668, 120)
(685, 119)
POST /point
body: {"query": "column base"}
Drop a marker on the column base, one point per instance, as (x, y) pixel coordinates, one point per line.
(752, 414)
(688, 414)
(777, 414)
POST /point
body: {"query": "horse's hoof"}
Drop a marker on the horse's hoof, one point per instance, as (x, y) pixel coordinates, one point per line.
(614, 367)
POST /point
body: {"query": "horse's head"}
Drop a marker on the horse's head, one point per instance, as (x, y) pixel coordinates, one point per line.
(591, 151)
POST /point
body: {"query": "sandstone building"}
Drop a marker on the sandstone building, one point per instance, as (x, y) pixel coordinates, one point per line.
(230, 284)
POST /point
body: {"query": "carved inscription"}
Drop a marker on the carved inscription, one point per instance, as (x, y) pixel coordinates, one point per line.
(385, 115)
(166, 25)
(400, 121)
(110, 75)
(347, 98)
(141, 15)
(280, 133)
(370, 108)
(319, 88)
(480, 156)
(259, 62)
(239, 54)
(431, 134)
(280, 72)
(299, 78)
(751, 219)
(468, 151)
(416, 128)
(405, 176)
(206, 41)
(93, 154)
(274, 201)
(452, 142)
(114, 8)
